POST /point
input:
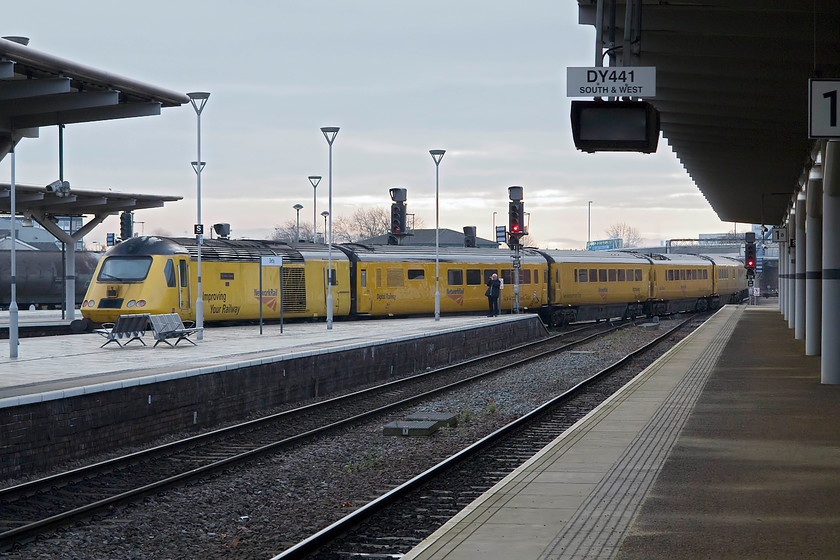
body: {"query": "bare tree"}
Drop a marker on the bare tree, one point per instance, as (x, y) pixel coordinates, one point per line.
(288, 230)
(629, 234)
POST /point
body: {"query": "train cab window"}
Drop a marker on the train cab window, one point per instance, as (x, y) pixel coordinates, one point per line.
(622, 275)
(611, 275)
(169, 273)
(638, 275)
(182, 268)
(602, 275)
(474, 277)
(363, 278)
(455, 277)
(507, 276)
(416, 274)
(124, 269)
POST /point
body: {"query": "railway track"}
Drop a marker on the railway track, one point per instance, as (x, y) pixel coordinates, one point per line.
(395, 522)
(42, 505)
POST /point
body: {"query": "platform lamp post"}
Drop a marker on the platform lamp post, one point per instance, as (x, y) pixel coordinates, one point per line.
(325, 214)
(437, 155)
(198, 99)
(13, 306)
(330, 133)
(315, 179)
(297, 208)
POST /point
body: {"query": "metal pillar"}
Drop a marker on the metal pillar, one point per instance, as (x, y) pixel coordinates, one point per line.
(813, 264)
(791, 266)
(801, 244)
(783, 247)
(830, 362)
(13, 306)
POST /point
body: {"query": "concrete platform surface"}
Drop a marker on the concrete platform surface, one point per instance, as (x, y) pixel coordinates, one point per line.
(59, 362)
(726, 447)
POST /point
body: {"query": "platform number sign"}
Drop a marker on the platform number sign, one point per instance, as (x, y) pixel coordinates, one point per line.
(822, 108)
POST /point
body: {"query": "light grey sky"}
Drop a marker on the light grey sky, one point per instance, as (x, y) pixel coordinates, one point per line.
(482, 79)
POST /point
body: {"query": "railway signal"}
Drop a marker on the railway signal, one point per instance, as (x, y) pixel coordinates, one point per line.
(750, 259)
(126, 226)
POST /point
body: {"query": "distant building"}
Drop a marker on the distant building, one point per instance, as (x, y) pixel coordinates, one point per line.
(29, 237)
(426, 237)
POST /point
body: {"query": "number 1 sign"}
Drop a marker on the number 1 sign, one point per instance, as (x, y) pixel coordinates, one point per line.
(822, 109)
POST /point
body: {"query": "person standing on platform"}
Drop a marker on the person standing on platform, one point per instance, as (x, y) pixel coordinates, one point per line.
(492, 293)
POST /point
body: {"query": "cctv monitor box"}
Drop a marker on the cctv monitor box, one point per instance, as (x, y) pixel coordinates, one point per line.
(615, 126)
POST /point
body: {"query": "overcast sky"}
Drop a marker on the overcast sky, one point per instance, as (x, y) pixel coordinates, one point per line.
(482, 79)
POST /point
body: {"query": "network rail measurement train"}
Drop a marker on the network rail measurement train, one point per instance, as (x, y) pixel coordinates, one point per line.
(158, 275)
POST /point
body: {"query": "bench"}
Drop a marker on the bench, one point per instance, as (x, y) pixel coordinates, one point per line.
(131, 327)
(169, 325)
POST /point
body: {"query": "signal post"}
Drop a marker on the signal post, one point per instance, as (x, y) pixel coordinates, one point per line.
(516, 229)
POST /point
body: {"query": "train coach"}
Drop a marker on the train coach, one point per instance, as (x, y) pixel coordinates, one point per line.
(159, 275)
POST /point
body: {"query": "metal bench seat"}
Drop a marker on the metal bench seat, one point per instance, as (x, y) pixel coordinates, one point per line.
(169, 325)
(130, 327)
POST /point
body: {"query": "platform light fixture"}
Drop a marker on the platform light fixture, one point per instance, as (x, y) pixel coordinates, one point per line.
(330, 132)
(198, 99)
(314, 180)
(297, 208)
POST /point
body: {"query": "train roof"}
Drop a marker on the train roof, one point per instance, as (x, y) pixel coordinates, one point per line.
(242, 250)
(424, 254)
(612, 257)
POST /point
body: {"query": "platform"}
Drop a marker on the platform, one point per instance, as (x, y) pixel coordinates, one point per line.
(47, 364)
(66, 398)
(726, 447)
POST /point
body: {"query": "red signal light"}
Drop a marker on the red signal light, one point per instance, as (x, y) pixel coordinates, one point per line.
(515, 228)
(750, 263)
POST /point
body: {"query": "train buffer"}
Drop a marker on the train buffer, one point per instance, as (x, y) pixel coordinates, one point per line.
(129, 327)
(169, 325)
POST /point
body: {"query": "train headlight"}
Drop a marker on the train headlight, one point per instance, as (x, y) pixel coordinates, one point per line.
(91, 303)
(131, 303)
(141, 303)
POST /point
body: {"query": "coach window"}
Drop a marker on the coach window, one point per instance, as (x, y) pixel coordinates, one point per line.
(169, 272)
(455, 277)
(621, 275)
(682, 274)
(670, 275)
(474, 277)
(507, 276)
(524, 276)
(584, 275)
(638, 275)
(363, 278)
(593, 275)
(488, 272)
(705, 274)
(602, 275)
(611, 274)
(416, 274)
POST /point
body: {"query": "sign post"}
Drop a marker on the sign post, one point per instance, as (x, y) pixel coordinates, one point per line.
(271, 261)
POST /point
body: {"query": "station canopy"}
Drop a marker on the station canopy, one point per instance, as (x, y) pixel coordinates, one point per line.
(732, 91)
(38, 89)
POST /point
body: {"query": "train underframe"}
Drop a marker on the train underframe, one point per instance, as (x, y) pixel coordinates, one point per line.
(557, 315)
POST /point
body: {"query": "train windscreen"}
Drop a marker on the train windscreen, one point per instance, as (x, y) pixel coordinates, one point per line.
(124, 269)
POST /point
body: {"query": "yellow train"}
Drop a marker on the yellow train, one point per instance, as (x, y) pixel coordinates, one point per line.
(159, 275)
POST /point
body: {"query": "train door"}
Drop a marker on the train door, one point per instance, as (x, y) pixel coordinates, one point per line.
(183, 284)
